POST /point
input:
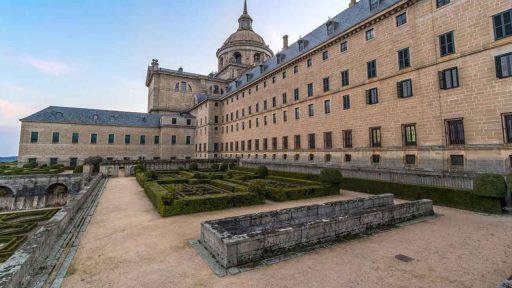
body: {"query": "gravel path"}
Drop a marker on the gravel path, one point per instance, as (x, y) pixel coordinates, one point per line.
(127, 244)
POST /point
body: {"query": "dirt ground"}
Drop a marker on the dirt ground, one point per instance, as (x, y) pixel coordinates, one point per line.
(127, 244)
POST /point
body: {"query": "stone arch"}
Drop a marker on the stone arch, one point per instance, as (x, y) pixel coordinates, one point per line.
(6, 191)
(238, 57)
(57, 189)
(56, 195)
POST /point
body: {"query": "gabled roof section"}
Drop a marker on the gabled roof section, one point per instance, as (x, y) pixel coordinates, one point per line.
(68, 115)
(344, 22)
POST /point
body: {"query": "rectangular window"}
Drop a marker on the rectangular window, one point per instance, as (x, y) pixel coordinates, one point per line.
(410, 159)
(257, 107)
(274, 118)
(265, 144)
(54, 161)
(311, 110)
(327, 106)
(285, 116)
(404, 59)
(502, 25)
(74, 138)
(297, 141)
(284, 74)
(372, 96)
(297, 113)
(311, 141)
(343, 46)
(265, 106)
(457, 160)
(325, 82)
(446, 44)
(296, 94)
(73, 162)
(347, 138)
(345, 78)
(404, 88)
(157, 140)
(375, 158)
(34, 137)
(285, 142)
(371, 68)
(55, 137)
(285, 98)
(265, 120)
(507, 121)
(111, 138)
(249, 145)
(401, 19)
(127, 139)
(142, 140)
(370, 34)
(504, 66)
(295, 69)
(455, 132)
(189, 121)
(441, 3)
(310, 89)
(309, 62)
(274, 143)
(328, 140)
(274, 102)
(449, 78)
(174, 121)
(375, 137)
(348, 157)
(188, 140)
(257, 144)
(173, 140)
(409, 134)
(94, 138)
(325, 55)
(374, 4)
(346, 102)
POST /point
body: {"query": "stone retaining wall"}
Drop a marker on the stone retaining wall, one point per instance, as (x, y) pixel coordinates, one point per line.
(250, 238)
(17, 270)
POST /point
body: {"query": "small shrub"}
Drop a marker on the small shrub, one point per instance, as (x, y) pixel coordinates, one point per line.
(79, 169)
(57, 166)
(224, 166)
(229, 174)
(331, 176)
(193, 166)
(257, 187)
(215, 166)
(44, 165)
(151, 176)
(30, 165)
(490, 185)
(139, 168)
(261, 171)
(199, 175)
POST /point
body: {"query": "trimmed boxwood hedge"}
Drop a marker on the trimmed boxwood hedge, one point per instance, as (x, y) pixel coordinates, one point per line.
(462, 199)
(490, 185)
(304, 192)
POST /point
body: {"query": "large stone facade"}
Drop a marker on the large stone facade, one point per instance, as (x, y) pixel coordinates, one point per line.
(339, 123)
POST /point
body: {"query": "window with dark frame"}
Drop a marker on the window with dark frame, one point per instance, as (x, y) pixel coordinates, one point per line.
(274, 143)
(327, 157)
(34, 137)
(309, 62)
(370, 34)
(375, 137)
(374, 4)
(371, 68)
(297, 141)
(297, 113)
(507, 125)
(265, 144)
(502, 25)
(347, 138)
(346, 102)
(345, 81)
(404, 88)
(343, 46)
(295, 69)
(441, 3)
(325, 83)
(404, 60)
(127, 139)
(296, 95)
(173, 140)
(410, 159)
(310, 89)
(449, 78)
(285, 98)
(311, 110)
(111, 138)
(142, 140)
(446, 44)
(55, 137)
(285, 116)
(372, 96)
(74, 138)
(504, 66)
(285, 142)
(348, 157)
(327, 106)
(325, 55)
(401, 19)
(455, 132)
(457, 160)
(328, 140)
(409, 134)
(375, 158)
(311, 157)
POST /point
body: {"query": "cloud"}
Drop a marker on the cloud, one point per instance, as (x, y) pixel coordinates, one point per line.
(11, 112)
(53, 68)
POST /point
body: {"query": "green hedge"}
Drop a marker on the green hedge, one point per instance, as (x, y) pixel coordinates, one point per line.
(490, 185)
(462, 199)
(285, 174)
(228, 186)
(293, 180)
(304, 192)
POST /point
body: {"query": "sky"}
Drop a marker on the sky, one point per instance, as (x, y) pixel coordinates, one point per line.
(94, 54)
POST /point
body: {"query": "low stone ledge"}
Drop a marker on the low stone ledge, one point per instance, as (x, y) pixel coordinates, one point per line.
(17, 270)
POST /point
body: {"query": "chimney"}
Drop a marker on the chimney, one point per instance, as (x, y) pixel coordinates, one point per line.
(285, 42)
(352, 3)
(154, 64)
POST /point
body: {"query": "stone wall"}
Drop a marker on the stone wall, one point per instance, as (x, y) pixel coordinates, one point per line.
(250, 238)
(17, 270)
(459, 180)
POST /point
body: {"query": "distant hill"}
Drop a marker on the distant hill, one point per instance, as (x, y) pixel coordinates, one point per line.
(8, 159)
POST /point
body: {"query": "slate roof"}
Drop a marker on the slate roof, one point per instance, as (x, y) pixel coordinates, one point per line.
(345, 20)
(68, 115)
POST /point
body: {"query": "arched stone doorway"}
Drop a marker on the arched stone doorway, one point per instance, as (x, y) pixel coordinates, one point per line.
(56, 195)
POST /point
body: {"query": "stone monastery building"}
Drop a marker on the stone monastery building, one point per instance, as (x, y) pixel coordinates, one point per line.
(402, 85)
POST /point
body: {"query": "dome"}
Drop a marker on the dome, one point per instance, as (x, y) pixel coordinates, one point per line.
(243, 36)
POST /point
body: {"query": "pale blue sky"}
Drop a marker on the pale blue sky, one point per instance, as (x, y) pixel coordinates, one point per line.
(94, 54)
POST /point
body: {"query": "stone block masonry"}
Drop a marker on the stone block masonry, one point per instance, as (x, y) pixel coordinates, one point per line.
(250, 238)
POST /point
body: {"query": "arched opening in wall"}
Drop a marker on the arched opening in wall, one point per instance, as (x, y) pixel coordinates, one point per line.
(221, 61)
(257, 58)
(56, 195)
(6, 192)
(238, 57)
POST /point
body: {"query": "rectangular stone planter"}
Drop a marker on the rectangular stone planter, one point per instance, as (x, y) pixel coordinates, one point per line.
(250, 238)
